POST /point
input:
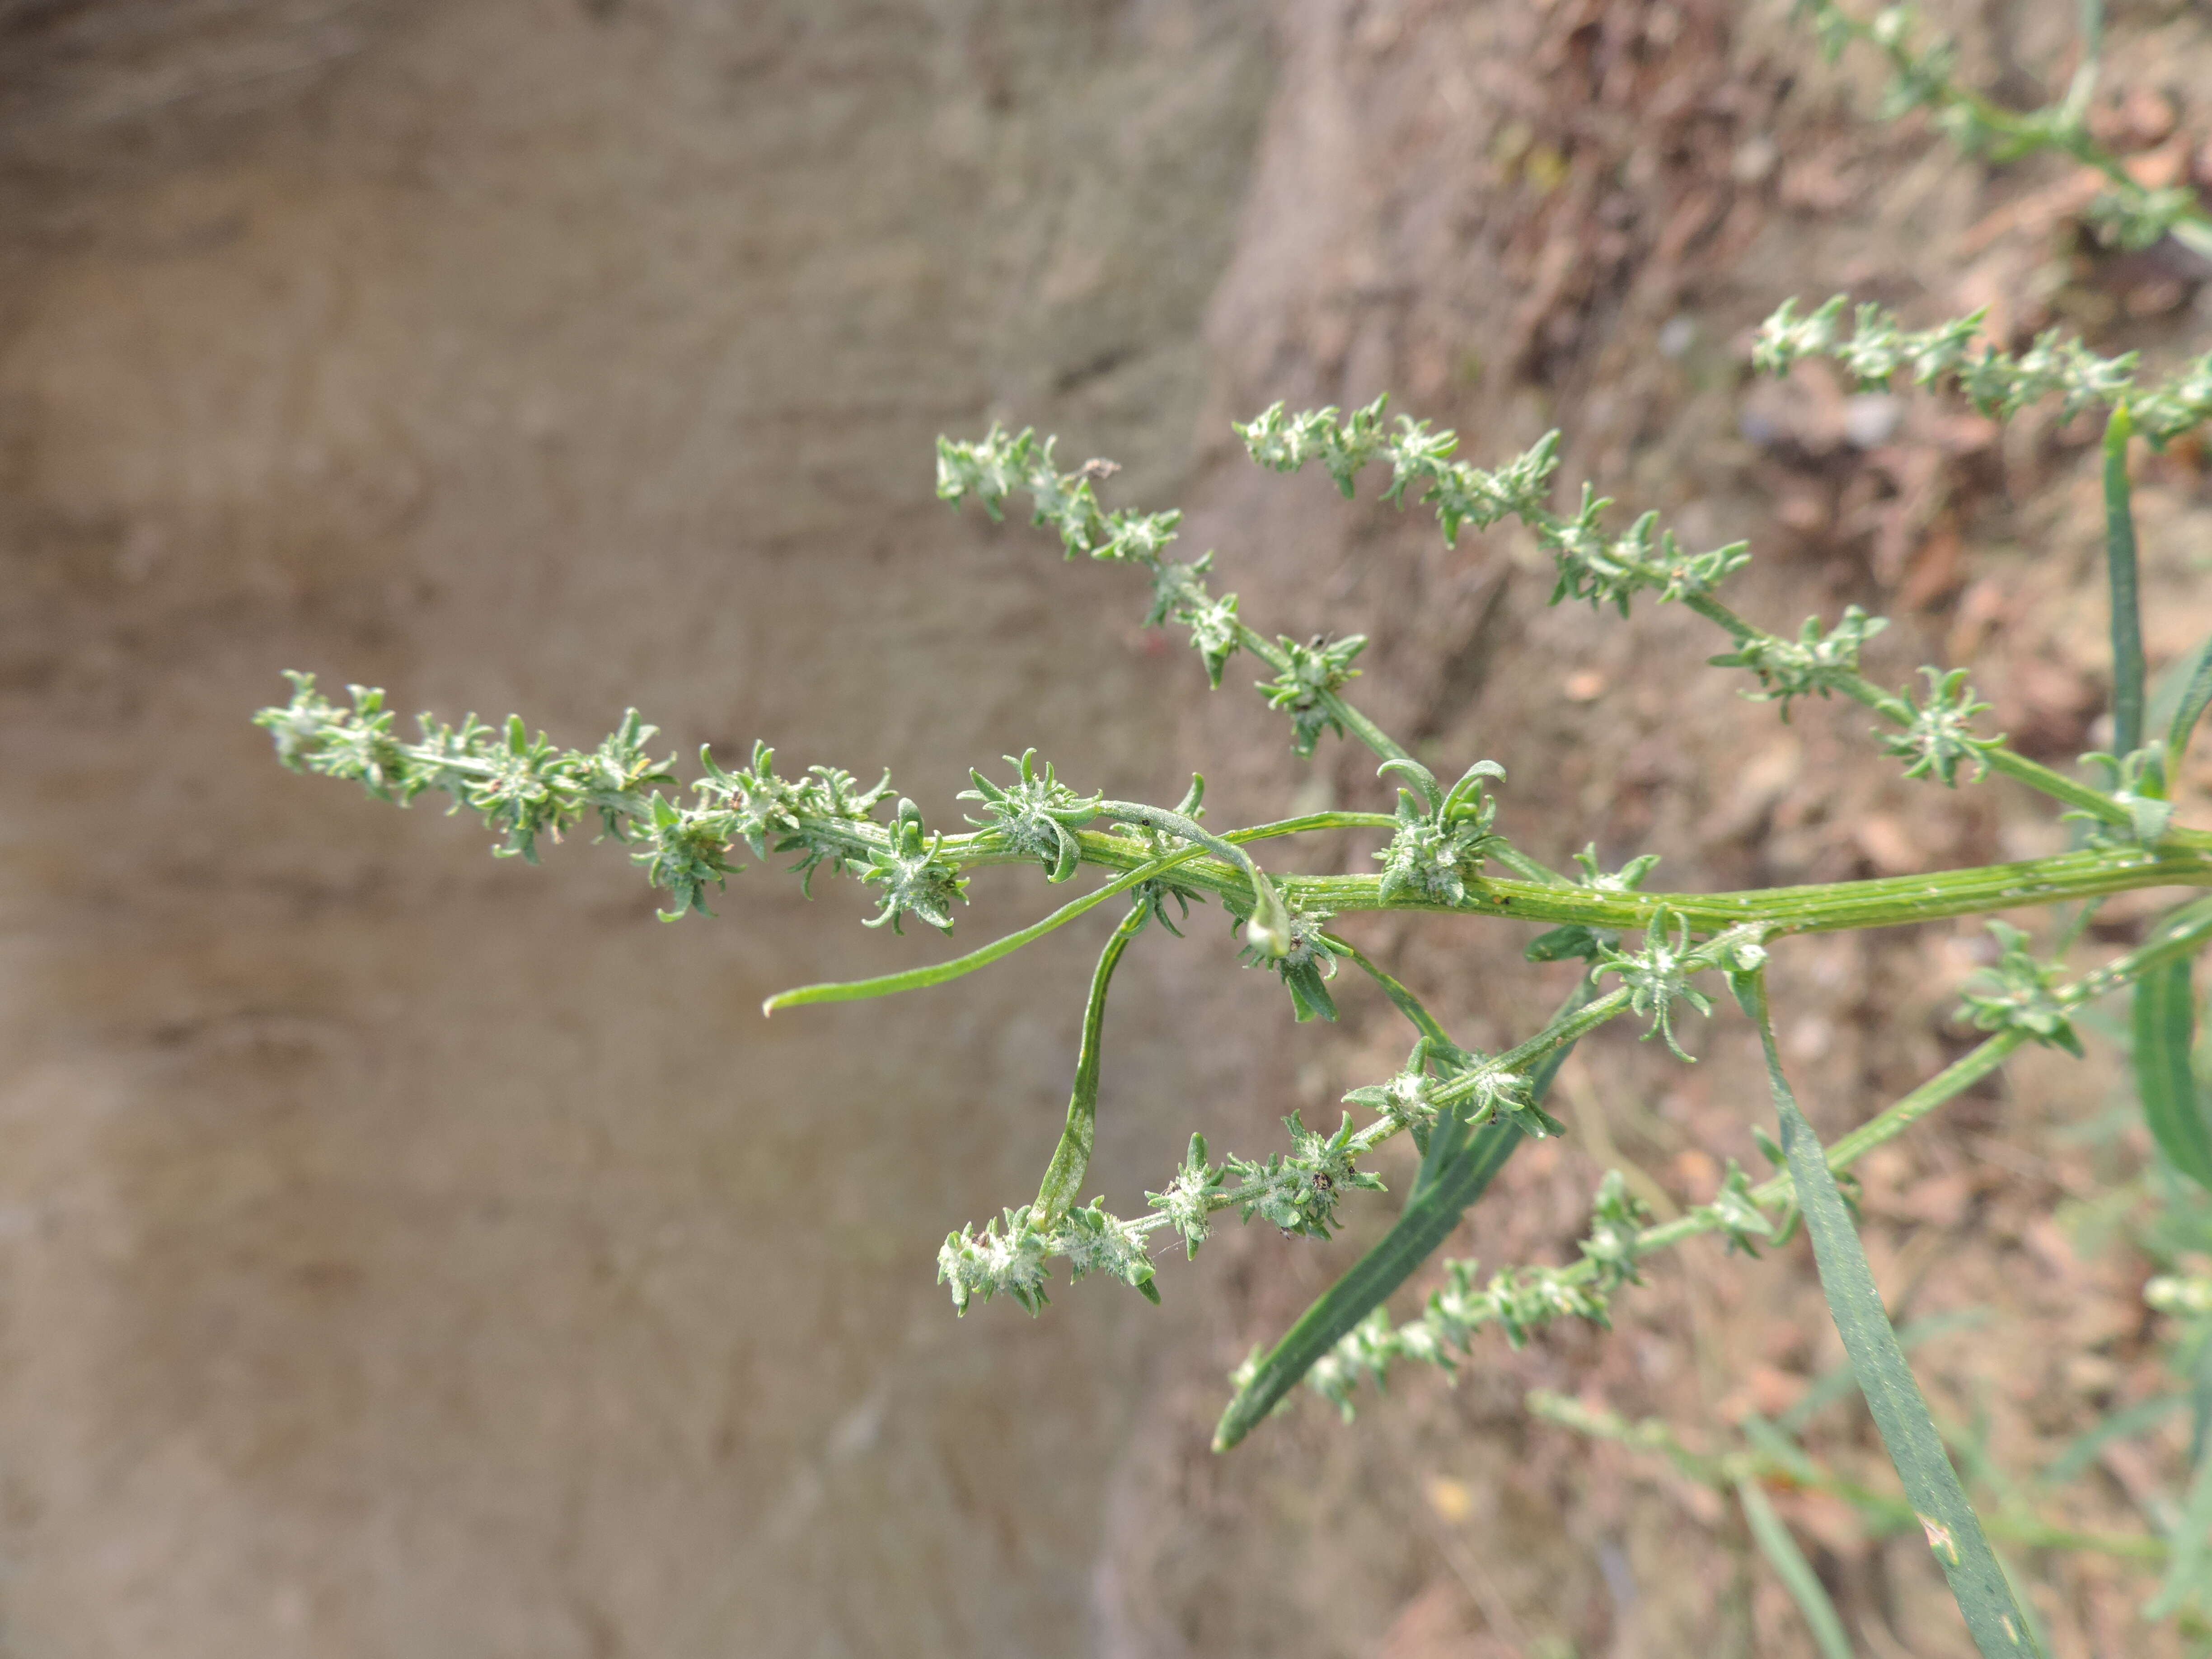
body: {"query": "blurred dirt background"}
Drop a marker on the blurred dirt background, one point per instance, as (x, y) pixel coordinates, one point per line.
(406, 1252)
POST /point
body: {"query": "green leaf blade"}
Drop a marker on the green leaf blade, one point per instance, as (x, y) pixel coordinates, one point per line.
(2164, 1016)
(1995, 1620)
(938, 973)
(1794, 1571)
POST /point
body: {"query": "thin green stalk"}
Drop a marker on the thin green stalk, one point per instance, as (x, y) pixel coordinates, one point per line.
(2120, 571)
(1269, 928)
(2006, 761)
(1400, 999)
(1886, 900)
(1794, 1571)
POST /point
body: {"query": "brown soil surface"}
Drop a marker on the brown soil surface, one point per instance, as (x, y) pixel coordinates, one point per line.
(1573, 216)
(406, 1252)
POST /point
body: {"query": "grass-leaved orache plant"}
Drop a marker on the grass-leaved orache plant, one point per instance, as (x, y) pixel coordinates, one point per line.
(1652, 955)
(1464, 1109)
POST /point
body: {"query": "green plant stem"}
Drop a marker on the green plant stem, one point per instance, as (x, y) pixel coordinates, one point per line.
(2194, 227)
(2120, 568)
(2017, 767)
(1343, 713)
(1884, 901)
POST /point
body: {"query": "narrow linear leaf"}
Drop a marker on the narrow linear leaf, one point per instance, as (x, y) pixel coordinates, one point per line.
(1072, 1157)
(2187, 1568)
(2165, 1019)
(2082, 1450)
(1794, 1571)
(1994, 1619)
(916, 979)
(2195, 697)
(2120, 572)
(1421, 1228)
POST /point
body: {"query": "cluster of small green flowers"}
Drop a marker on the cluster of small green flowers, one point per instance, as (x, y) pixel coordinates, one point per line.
(1442, 837)
(1998, 383)
(1017, 1259)
(1305, 966)
(2185, 1296)
(1736, 1214)
(2017, 994)
(1592, 565)
(1003, 462)
(1405, 1099)
(524, 788)
(2181, 405)
(1036, 816)
(1308, 676)
(1813, 662)
(1298, 1191)
(527, 788)
(916, 879)
(827, 819)
(994, 469)
(1937, 737)
(1180, 594)
(1519, 1302)
(1658, 977)
(1613, 570)
(1310, 673)
(1439, 1076)
(2132, 213)
(2137, 782)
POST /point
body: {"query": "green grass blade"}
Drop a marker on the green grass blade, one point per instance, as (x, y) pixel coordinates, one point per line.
(2189, 1567)
(1994, 1619)
(2195, 697)
(1794, 1571)
(1422, 1226)
(2120, 571)
(2082, 1450)
(1072, 1158)
(2165, 1019)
